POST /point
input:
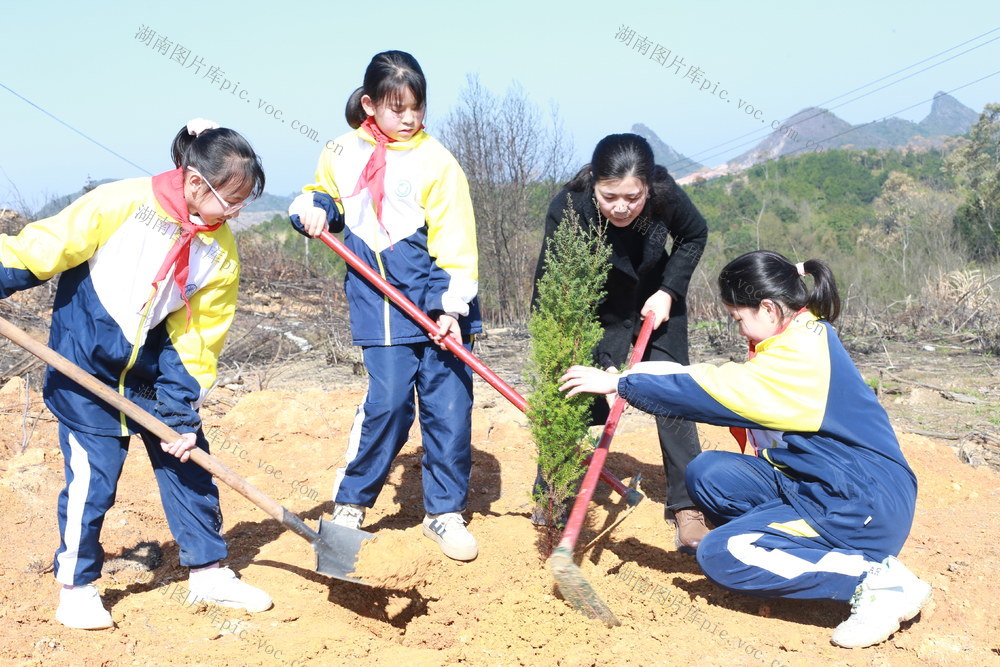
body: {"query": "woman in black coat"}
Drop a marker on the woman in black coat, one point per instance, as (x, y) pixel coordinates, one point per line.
(638, 207)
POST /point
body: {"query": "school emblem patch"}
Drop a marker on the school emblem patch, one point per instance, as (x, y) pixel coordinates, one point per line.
(403, 189)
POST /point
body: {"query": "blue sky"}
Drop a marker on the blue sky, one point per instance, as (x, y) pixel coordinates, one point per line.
(83, 63)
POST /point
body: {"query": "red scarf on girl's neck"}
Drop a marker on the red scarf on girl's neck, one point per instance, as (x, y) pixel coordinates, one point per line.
(168, 188)
(373, 175)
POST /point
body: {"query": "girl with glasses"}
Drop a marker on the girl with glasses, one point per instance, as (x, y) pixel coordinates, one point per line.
(149, 274)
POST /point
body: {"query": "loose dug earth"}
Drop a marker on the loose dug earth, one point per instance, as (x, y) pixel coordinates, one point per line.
(500, 609)
(395, 559)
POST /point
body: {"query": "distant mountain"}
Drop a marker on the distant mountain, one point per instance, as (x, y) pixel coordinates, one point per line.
(262, 210)
(818, 129)
(677, 164)
(805, 130)
(269, 202)
(948, 117)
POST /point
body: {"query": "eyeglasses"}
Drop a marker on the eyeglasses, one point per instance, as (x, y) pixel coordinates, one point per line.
(227, 208)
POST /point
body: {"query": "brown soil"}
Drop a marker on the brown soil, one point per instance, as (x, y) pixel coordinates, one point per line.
(400, 559)
(500, 609)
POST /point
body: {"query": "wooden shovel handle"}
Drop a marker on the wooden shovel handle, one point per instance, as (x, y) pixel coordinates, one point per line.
(150, 423)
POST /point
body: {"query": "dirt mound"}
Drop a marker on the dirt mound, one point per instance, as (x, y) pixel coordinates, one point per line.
(396, 559)
(501, 608)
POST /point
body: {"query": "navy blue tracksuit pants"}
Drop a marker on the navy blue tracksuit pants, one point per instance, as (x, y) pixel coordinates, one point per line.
(443, 385)
(93, 464)
(762, 546)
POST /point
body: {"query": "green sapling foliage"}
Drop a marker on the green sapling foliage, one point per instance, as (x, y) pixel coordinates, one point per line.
(564, 331)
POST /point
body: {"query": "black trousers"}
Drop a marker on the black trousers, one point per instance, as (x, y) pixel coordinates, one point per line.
(678, 437)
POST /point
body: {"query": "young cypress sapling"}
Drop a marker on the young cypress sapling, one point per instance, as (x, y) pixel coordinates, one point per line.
(564, 331)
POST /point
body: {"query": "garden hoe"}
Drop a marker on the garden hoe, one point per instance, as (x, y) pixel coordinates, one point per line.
(336, 546)
(631, 496)
(571, 582)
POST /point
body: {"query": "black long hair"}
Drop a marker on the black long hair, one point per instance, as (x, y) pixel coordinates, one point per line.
(619, 156)
(388, 75)
(765, 274)
(222, 156)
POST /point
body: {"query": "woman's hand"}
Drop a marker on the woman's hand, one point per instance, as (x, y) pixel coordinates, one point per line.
(584, 379)
(659, 303)
(182, 447)
(447, 328)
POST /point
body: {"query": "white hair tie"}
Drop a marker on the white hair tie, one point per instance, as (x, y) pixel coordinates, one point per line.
(801, 268)
(196, 126)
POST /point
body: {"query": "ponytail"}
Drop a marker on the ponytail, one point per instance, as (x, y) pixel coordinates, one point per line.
(353, 111)
(824, 300)
(765, 274)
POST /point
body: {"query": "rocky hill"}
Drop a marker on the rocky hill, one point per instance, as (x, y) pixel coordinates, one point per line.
(814, 129)
(678, 165)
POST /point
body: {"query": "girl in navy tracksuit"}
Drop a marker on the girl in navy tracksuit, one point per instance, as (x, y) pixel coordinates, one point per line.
(404, 205)
(827, 503)
(146, 296)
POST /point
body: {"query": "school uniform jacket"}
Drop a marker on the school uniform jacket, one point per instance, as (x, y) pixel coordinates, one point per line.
(839, 465)
(425, 245)
(108, 246)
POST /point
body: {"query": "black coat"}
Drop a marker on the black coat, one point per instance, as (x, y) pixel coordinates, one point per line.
(630, 284)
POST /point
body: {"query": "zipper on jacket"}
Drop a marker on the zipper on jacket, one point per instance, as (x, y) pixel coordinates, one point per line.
(136, 346)
(385, 299)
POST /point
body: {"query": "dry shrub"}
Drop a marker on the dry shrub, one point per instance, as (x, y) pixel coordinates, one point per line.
(963, 302)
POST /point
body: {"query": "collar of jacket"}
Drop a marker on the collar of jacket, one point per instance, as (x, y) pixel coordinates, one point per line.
(411, 143)
(804, 319)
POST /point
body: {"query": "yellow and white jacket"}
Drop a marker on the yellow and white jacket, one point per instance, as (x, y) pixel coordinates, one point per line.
(108, 246)
(836, 459)
(426, 242)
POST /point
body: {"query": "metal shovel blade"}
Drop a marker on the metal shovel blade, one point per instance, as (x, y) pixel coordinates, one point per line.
(337, 550)
(575, 588)
(634, 495)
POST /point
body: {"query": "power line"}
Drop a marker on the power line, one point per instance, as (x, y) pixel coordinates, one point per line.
(837, 97)
(894, 113)
(889, 115)
(88, 138)
(870, 83)
(921, 62)
(822, 111)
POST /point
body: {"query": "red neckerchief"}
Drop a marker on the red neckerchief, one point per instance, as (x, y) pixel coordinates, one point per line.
(740, 433)
(168, 188)
(373, 175)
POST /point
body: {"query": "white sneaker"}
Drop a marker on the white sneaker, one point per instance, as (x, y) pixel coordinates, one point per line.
(80, 607)
(221, 586)
(886, 595)
(348, 516)
(449, 531)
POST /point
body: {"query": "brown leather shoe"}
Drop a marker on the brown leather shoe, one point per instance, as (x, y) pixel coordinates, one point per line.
(691, 529)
